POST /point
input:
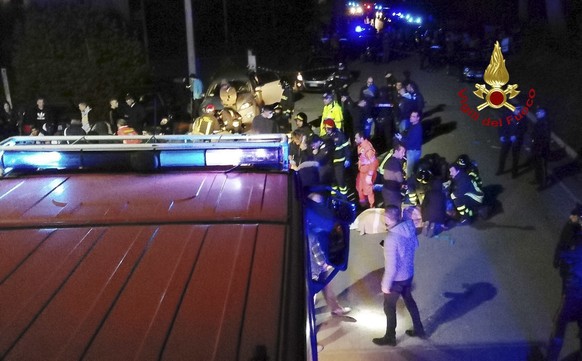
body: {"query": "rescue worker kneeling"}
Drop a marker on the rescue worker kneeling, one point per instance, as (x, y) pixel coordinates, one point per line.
(465, 194)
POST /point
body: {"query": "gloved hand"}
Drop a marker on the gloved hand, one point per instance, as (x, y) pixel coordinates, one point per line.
(368, 179)
(347, 164)
(399, 136)
(502, 139)
(513, 138)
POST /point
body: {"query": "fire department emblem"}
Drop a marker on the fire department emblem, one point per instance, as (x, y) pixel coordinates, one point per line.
(496, 76)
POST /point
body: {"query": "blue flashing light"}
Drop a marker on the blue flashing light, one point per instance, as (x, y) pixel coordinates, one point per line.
(359, 29)
(419, 20)
(185, 158)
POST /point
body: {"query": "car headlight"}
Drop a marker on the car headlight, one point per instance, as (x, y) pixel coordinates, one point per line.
(299, 77)
(245, 106)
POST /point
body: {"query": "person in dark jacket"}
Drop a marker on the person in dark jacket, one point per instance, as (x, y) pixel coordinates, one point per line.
(341, 156)
(570, 229)
(264, 123)
(134, 114)
(412, 139)
(40, 115)
(541, 137)
(433, 208)
(303, 126)
(570, 309)
(464, 193)
(470, 167)
(393, 176)
(322, 150)
(511, 138)
(75, 128)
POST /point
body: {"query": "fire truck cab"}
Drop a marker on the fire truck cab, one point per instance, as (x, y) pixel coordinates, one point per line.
(174, 248)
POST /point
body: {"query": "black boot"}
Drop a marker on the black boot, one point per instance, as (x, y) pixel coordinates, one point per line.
(384, 341)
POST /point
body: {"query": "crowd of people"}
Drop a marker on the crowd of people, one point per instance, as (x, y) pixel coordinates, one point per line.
(42, 120)
(402, 177)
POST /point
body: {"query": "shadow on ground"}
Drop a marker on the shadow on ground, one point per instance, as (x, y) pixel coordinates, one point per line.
(460, 303)
(434, 127)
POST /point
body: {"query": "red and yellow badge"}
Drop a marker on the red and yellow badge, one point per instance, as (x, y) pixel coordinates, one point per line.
(496, 76)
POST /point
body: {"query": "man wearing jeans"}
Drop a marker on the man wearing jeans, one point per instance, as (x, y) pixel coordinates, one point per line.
(399, 248)
(412, 139)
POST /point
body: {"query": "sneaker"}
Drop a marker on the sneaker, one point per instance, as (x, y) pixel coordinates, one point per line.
(413, 333)
(341, 311)
(384, 341)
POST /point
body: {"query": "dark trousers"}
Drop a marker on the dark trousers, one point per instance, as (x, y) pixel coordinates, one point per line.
(515, 151)
(404, 289)
(391, 197)
(465, 205)
(339, 183)
(570, 311)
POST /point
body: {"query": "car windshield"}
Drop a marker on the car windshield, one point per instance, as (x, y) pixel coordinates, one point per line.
(241, 86)
(320, 63)
(267, 77)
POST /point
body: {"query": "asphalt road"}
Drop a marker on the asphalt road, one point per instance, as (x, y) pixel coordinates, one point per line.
(486, 291)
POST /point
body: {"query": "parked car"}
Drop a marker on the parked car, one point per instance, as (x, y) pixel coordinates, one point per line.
(245, 92)
(317, 74)
(470, 66)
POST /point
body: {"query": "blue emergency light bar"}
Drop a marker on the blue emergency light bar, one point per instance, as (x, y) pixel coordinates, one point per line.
(268, 151)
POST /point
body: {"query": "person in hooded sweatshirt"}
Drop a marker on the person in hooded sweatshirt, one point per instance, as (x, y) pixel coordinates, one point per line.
(399, 247)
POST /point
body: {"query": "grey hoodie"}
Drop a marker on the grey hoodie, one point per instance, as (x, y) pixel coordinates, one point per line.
(399, 247)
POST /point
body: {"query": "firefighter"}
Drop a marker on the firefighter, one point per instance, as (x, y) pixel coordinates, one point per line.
(207, 123)
(341, 156)
(464, 193)
(331, 110)
(470, 167)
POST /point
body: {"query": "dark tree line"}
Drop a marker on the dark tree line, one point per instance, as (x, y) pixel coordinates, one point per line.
(73, 53)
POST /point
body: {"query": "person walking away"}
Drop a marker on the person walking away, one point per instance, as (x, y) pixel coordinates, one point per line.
(400, 247)
(367, 165)
(341, 156)
(541, 137)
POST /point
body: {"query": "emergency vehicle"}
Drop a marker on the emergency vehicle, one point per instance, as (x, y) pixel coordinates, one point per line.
(174, 248)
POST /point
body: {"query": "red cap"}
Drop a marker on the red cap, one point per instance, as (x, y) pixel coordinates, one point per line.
(329, 123)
